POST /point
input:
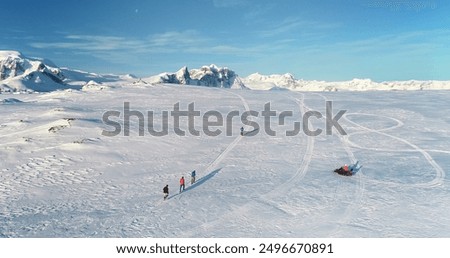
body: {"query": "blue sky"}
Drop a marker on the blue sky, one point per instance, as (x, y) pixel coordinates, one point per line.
(314, 40)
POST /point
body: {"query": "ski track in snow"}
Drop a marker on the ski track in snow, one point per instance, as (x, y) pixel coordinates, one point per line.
(61, 173)
(213, 166)
(353, 205)
(357, 198)
(362, 180)
(440, 173)
(304, 164)
(267, 199)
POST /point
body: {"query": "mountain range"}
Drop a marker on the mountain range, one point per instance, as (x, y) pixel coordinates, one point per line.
(19, 73)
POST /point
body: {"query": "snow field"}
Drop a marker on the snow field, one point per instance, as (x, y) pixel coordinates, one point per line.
(60, 177)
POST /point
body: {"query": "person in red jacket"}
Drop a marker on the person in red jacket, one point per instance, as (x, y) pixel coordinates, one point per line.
(181, 184)
(345, 167)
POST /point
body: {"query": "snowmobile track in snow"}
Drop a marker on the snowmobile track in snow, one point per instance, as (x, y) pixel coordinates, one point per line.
(440, 173)
(212, 167)
(221, 156)
(304, 164)
(356, 201)
(280, 190)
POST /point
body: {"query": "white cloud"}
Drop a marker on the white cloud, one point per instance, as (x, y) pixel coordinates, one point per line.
(122, 50)
(90, 43)
(292, 25)
(164, 42)
(177, 39)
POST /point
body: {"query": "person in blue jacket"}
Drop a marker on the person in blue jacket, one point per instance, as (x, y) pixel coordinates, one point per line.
(192, 177)
(354, 168)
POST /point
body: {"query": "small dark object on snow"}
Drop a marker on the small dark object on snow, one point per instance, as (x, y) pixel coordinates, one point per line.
(166, 191)
(348, 170)
(342, 172)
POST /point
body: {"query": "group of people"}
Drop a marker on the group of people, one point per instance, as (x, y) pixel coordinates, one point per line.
(182, 185)
(346, 170)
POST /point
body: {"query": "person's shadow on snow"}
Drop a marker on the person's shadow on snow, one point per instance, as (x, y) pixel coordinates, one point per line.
(199, 182)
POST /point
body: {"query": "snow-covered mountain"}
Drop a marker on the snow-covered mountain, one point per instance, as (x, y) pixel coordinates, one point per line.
(19, 74)
(268, 82)
(210, 76)
(257, 81)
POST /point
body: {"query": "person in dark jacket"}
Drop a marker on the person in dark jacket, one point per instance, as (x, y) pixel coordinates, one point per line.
(166, 191)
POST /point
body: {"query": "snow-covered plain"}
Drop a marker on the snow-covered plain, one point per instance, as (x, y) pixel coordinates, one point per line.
(60, 177)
